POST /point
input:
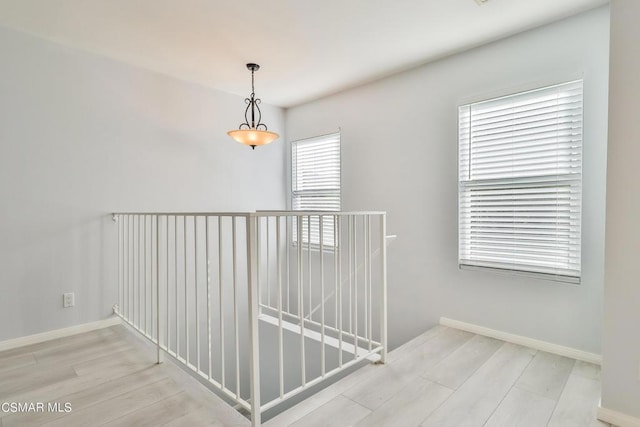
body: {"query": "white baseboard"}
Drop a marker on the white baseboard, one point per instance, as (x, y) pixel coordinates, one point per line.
(617, 418)
(525, 341)
(58, 333)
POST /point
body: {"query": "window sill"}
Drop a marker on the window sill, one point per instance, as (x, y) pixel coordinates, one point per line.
(544, 276)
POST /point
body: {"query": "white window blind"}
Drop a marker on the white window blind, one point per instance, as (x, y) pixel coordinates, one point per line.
(315, 184)
(520, 182)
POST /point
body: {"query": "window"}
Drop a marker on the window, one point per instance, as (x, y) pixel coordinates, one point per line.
(315, 184)
(520, 182)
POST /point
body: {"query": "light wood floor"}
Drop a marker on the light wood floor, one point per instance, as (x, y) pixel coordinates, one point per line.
(109, 378)
(445, 377)
(448, 377)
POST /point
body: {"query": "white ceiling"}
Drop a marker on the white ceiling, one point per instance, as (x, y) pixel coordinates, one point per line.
(307, 49)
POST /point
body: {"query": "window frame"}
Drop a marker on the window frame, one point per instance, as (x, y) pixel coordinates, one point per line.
(327, 245)
(520, 269)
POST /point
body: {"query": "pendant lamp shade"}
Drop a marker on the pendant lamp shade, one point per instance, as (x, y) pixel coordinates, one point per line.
(253, 137)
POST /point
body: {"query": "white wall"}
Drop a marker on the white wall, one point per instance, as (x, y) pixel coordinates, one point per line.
(82, 136)
(399, 154)
(621, 345)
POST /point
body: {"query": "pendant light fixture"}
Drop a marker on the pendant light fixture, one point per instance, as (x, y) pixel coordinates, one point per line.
(253, 132)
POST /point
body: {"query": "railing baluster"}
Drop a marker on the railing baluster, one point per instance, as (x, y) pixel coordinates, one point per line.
(321, 239)
(335, 270)
(383, 293)
(148, 277)
(268, 240)
(279, 281)
(369, 281)
(355, 280)
(339, 309)
(186, 291)
(125, 270)
(148, 308)
(126, 264)
(120, 270)
(365, 278)
(195, 281)
(136, 296)
(258, 257)
(287, 245)
(175, 273)
(139, 276)
(350, 254)
(309, 266)
(158, 302)
(301, 299)
(130, 268)
(235, 306)
(220, 295)
(147, 300)
(168, 343)
(206, 239)
(132, 284)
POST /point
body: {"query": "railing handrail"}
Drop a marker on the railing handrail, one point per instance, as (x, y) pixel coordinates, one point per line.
(256, 213)
(315, 213)
(237, 214)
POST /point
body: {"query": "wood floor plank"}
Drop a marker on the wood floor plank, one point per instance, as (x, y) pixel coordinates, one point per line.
(546, 375)
(89, 396)
(86, 337)
(67, 356)
(20, 380)
(54, 391)
(474, 402)
(111, 409)
(578, 404)
(456, 368)
(587, 370)
(115, 363)
(523, 409)
(418, 341)
(217, 408)
(200, 418)
(16, 361)
(308, 405)
(293, 414)
(410, 406)
(338, 412)
(97, 373)
(203, 397)
(159, 413)
(389, 379)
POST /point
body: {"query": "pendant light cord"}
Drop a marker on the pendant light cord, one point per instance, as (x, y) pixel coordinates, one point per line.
(253, 103)
(252, 87)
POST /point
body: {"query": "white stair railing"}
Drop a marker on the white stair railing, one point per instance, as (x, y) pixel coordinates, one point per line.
(198, 284)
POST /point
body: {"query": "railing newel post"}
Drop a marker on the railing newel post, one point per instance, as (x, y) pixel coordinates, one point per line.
(383, 302)
(253, 291)
(160, 357)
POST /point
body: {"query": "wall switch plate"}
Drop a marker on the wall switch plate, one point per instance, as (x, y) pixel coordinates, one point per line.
(68, 300)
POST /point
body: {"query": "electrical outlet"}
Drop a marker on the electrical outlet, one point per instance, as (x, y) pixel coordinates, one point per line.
(68, 300)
